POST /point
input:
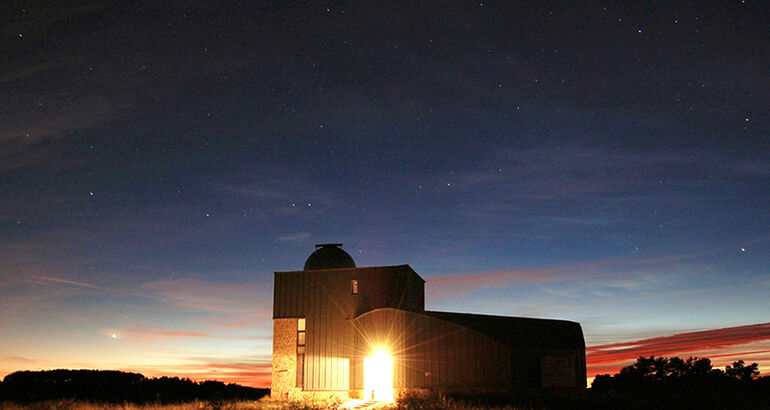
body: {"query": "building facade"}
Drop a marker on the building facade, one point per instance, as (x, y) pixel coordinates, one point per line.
(364, 333)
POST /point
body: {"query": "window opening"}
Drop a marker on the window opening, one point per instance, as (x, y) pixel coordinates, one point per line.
(301, 352)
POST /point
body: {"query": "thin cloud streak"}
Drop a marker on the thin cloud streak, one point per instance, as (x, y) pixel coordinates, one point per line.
(54, 281)
(242, 324)
(146, 335)
(453, 285)
(209, 296)
(256, 374)
(678, 343)
(611, 357)
(449, 285)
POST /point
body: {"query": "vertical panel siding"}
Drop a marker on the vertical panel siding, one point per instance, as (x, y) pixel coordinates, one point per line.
(326, 313)
(433, 353)
(333, 358)
(389, 286)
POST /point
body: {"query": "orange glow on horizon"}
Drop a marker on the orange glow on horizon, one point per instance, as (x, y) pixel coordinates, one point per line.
(257, 376)
(750, 343)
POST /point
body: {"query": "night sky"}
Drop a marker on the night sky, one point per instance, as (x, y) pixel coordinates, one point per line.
(600, 162)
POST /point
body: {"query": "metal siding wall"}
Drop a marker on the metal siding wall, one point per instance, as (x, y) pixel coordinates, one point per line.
(333, 361)
(313, 313)
(293, 296)
(435, 374)
(454, 356)
(328, 331)
(276, 289)
(285, 298)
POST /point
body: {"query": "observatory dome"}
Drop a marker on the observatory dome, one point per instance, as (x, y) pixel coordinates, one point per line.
(329, 256)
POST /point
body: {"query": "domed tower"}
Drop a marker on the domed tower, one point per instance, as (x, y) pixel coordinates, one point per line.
(314, 345)
(329, 256)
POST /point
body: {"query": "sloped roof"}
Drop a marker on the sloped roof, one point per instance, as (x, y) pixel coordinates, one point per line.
(520, 332)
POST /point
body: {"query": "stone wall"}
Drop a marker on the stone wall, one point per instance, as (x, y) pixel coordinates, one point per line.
(284, 383)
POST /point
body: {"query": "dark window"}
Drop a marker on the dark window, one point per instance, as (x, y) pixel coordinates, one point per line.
(354, 287)
(300, 352)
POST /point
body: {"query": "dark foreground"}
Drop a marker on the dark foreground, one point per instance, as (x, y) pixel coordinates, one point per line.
(110, 386)
(90, 389)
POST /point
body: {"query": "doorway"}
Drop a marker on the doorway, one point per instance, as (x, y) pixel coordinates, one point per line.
(378, 377)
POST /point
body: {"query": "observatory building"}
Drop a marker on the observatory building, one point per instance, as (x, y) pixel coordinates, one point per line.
(364, 333)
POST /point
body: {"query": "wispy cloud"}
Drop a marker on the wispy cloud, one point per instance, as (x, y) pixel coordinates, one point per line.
(278, 190)
(596, 174)
(210, 296)
(18, 359)
(51, 280)
(294, 237)
(610, 357)
(60, 121)
(244, 323)
(440, 286)
(443, 286)
(152, 335)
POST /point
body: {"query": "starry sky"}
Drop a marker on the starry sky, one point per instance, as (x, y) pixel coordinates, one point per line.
(601, 162)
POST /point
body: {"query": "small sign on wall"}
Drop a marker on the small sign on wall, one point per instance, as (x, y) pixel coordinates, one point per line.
(558, 371)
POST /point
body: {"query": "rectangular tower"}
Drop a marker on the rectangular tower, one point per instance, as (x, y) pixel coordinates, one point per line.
(313, 334)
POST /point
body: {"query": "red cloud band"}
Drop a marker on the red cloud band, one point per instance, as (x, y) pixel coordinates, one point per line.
(609, 357)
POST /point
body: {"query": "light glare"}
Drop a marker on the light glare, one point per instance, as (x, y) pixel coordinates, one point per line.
(378, 376)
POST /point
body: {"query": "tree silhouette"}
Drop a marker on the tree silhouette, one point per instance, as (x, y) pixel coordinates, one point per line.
(675, 374)
(115, 386)
(742, 372)
(661, 368)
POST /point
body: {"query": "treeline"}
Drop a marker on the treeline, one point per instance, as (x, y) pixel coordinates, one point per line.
(116, 387)
(661, 374)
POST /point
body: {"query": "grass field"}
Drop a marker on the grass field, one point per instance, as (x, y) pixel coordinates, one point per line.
(76, 405)
(438, 402)
(265, 403)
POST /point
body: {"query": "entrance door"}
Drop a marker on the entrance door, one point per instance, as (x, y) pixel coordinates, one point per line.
(378, 377)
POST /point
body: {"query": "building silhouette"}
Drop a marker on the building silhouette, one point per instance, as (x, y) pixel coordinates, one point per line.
(364, 333)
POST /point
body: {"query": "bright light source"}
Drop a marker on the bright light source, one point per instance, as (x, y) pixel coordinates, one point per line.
(378, 376)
